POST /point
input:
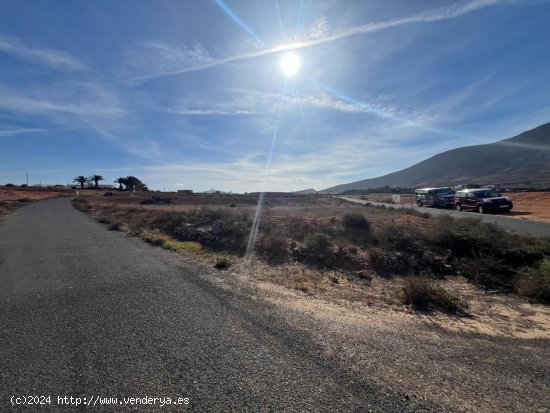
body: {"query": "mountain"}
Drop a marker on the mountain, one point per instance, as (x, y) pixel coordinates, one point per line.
(214, 191)
(308, 191)
(522, 160)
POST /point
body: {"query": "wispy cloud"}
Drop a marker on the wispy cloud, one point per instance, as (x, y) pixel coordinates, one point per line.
(52, 58)
(163, 60)
(211, 112)
(320, 169)
(445, 13)
(253, 102)
(14, 132)
(95, 102)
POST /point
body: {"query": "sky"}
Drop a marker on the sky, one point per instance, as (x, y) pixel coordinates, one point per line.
(191, 94)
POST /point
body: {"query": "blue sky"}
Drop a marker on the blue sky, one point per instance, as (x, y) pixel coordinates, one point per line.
(190, 94)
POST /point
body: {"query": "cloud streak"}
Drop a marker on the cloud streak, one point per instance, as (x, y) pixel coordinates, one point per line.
(93, 103)
(15, 132)
(190, 62)
(52, 58)
(251, 102)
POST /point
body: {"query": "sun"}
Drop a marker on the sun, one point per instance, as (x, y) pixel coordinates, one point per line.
(290, 64)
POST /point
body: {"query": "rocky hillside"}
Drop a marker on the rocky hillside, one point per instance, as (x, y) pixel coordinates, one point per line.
(521, 160)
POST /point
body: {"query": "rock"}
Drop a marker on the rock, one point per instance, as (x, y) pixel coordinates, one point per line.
(364, 275)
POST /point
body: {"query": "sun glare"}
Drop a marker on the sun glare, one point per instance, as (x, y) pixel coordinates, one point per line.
(290, 64)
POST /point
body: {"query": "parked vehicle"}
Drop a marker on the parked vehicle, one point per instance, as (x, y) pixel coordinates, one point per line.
(482, 200)
(435, 197)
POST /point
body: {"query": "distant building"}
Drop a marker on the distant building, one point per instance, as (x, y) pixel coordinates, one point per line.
(185, 191)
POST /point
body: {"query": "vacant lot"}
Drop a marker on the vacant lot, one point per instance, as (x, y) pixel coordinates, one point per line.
(439, 309)
(320, 244)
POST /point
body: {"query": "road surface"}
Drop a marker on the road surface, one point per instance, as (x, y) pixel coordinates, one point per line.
(518, 226)
(87, 312)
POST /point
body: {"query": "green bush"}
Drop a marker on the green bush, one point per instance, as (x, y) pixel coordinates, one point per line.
(425, 295)
(223, 262)
(535, 282)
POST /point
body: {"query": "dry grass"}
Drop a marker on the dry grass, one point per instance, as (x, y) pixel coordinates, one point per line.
(425, 294)
(7, 207)
(166, 242)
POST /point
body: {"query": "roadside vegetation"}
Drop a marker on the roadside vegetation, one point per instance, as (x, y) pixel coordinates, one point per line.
(315, 243)
(7, 207)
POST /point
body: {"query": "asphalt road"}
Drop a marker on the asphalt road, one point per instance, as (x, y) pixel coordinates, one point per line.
(88, 312)
(518, 226)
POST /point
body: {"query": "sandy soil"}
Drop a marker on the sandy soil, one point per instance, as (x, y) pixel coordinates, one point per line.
(490, 362)
(531, 205)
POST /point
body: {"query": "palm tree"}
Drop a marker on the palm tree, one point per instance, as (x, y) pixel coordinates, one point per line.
(121, 181)
(95, 179)
(81, 179)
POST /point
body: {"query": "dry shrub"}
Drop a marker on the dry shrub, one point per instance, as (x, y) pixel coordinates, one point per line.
(82, 204)
(355, 221)
(389, 264)
(319, 251)
(425, 295)
(300, 230)
(535, 282)
(274, 249)
(318, 244)
(488, 271)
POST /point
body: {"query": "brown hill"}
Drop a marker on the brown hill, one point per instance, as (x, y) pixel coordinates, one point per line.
(521, 160)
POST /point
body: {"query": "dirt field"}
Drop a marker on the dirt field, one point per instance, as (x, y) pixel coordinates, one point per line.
(32, 194)
(531, 205)
(527, 205)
